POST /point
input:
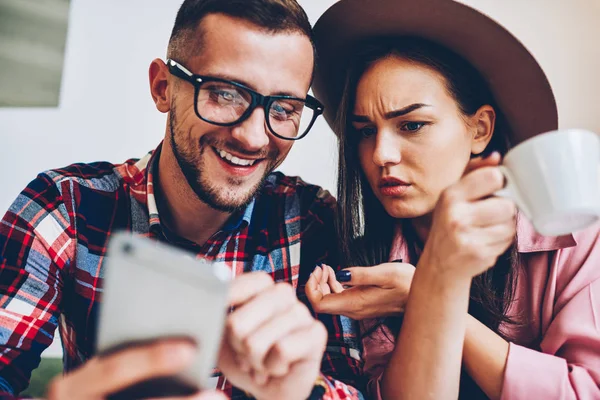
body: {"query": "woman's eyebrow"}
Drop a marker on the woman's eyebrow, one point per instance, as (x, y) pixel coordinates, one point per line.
(392, 114)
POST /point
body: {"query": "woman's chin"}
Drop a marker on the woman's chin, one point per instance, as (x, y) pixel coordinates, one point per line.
(400, 209)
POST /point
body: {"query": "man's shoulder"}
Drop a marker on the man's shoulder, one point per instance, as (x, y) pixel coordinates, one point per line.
(291, 201)
(99, 175)
(50, 188)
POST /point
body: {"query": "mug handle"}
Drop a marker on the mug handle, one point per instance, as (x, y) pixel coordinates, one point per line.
(511, 191)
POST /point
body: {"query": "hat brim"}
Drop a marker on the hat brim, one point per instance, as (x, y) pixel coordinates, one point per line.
(516, 80)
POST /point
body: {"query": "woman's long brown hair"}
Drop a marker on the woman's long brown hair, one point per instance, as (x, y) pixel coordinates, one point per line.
(365, 229)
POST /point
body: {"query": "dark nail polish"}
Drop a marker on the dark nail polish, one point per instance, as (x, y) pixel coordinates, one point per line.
(398, 260)
(343, 276)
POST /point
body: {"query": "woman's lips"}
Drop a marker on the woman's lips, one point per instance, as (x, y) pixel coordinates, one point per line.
(390, 186)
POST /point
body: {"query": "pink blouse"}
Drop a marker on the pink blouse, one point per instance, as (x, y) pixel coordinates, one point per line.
(557, 355)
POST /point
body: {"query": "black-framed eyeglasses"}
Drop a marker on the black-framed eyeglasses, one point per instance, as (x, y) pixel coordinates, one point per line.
(227, 103)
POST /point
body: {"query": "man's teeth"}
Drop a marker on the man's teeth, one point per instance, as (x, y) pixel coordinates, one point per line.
(235, 160)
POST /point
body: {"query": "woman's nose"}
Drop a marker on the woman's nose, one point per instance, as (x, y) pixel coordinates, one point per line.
(387, 150)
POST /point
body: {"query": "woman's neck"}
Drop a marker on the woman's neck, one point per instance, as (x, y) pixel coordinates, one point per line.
(422, 225)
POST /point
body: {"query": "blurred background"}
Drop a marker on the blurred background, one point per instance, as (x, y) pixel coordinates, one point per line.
(32, 47)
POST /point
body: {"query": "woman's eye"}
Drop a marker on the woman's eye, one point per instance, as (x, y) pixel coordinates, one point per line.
(412, 126)
(367, 131)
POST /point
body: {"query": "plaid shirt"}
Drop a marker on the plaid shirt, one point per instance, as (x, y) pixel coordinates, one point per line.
(54, 236)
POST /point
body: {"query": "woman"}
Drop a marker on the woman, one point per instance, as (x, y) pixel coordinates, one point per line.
(494, 309)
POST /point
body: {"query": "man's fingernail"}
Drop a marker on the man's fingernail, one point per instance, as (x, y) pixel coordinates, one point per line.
(317, 266)
(343, 276)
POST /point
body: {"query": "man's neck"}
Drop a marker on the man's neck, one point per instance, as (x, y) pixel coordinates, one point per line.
(180, 209)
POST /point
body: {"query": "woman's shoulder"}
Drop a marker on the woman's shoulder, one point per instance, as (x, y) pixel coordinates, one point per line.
(530, 241)
(570, 262)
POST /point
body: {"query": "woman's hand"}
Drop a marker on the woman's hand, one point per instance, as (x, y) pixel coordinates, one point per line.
(373, 292)
(471, 228)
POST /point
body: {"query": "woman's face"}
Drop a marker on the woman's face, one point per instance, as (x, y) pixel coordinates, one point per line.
(414, 141)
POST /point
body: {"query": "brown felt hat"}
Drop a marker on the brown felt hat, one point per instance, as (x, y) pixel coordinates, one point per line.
(517, 81)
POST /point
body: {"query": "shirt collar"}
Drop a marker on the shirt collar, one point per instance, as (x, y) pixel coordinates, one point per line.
(240, 219)
(529, 241)
(150, 197)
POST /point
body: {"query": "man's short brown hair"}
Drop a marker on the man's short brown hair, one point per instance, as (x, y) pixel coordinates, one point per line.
(275, 16)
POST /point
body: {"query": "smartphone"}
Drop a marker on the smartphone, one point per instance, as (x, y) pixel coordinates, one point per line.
(153, 291)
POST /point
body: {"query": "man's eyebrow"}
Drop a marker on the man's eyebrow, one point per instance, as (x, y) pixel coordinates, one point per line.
(250, 86)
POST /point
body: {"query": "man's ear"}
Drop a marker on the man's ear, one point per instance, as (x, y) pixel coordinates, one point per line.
(484, 121)
(159, 85)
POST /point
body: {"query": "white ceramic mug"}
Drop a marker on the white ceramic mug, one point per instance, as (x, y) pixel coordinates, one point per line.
(554, 180)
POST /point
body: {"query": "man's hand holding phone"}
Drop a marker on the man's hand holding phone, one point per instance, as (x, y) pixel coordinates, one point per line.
(102, 376)
(272, 346)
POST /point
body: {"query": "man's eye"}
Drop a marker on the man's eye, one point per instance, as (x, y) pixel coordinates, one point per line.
(225, 95)
(280, 109)
(282, 112)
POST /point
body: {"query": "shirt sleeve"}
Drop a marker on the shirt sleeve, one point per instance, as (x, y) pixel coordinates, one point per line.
(34, 248)
(378, 343)
(567, 365)
(341, 369)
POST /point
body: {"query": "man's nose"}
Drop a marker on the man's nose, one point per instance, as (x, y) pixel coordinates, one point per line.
(252, 133)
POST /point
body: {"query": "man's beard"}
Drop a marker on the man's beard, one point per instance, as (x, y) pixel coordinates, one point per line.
(191, 166)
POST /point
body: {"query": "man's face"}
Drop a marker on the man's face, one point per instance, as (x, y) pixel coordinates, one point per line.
(226, 166)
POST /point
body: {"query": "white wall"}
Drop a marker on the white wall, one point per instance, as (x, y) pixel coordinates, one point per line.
(106, 112)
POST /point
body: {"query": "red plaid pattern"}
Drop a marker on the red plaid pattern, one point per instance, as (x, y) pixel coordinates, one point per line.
(53, 241)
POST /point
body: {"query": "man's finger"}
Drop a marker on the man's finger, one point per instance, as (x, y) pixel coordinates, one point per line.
(268, 334)
(250, 316)
(102, 376)
(246, 286)
(210, 395)
(294, 348)
(230, 365)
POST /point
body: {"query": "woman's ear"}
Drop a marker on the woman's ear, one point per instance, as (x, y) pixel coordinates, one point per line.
(159, 88)
(484, 121)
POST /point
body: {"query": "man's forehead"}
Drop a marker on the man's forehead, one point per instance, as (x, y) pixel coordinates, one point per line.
(266, 61)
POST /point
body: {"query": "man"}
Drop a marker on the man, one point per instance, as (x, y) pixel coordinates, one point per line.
(234, 87)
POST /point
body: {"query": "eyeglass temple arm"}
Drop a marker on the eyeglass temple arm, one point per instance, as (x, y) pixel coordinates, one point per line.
(179, 70)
